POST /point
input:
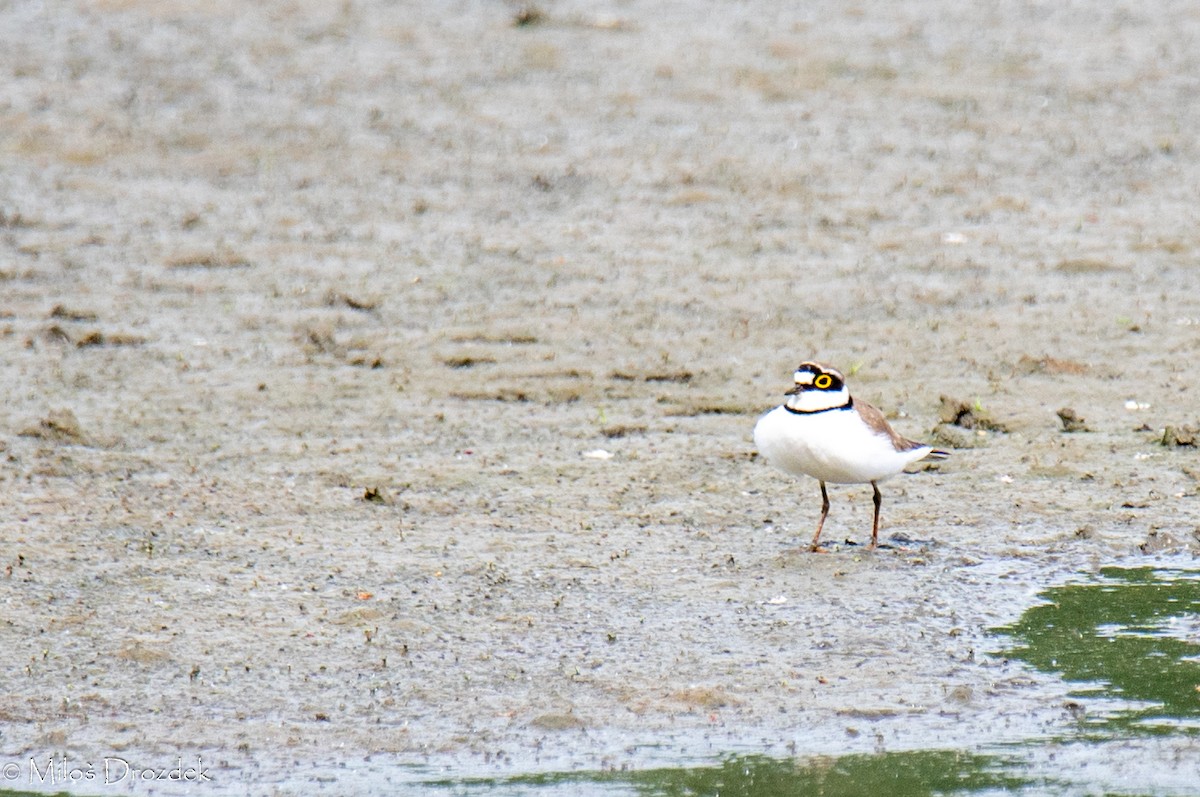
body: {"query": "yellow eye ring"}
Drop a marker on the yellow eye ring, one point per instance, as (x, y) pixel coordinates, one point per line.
(823, 381)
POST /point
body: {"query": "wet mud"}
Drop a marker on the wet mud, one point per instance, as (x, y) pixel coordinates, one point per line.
(379, 378)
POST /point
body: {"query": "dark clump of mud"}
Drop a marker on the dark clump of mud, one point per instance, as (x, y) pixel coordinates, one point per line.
(1185, 435)
(1071, 420)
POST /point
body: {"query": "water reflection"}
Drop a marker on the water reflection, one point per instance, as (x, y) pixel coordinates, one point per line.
(1132, 637)
(909, 774)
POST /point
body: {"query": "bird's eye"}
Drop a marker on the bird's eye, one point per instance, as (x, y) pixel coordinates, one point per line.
(823, 381)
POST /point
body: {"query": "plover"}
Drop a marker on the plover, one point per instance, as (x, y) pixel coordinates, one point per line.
(820, 431)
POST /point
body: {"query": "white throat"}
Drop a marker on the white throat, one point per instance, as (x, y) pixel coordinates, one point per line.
(817, 400)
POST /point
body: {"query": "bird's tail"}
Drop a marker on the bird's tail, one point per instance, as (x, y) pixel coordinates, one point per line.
(937, 453)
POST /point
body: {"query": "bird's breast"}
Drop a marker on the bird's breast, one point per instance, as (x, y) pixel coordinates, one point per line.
(833, 446)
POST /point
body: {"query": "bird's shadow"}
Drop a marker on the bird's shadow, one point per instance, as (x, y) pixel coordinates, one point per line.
(898, 542)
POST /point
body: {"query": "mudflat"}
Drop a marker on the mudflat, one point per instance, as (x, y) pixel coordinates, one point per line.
(379, 377)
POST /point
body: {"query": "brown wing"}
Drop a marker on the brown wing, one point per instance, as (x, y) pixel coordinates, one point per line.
(879, 425)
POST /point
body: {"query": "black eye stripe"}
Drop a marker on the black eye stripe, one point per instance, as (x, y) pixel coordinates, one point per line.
(809, 377)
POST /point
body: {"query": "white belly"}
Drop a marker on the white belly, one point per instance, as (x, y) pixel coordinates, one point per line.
(833, 446)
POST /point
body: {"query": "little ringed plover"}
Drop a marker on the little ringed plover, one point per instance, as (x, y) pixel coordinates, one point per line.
(820, 431)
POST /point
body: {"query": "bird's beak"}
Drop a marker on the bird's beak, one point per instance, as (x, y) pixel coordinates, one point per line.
(794, 391)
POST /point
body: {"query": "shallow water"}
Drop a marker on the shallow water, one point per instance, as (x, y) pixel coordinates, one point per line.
(1130, 637)
(900, 774)
(1126, 639)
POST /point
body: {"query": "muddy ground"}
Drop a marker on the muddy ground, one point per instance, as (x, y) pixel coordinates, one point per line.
(379, 377)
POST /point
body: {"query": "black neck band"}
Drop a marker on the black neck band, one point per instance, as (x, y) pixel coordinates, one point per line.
(847, 406)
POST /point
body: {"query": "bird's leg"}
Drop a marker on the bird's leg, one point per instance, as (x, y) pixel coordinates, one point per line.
(824, 512)
(875, 527)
